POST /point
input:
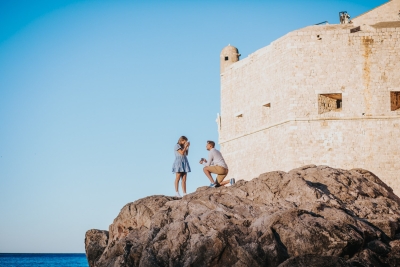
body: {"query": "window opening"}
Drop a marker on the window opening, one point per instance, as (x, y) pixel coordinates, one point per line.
(226, 58)
(356, 29)
(329, 102)
(338, 103)
(394, 101)
(239, 114)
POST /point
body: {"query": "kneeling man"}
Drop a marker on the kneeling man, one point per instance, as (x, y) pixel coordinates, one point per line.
(215, 164)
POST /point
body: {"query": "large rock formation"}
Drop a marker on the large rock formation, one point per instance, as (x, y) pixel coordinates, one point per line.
(311, 216)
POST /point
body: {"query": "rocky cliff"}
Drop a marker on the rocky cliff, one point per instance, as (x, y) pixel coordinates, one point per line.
(311, 216)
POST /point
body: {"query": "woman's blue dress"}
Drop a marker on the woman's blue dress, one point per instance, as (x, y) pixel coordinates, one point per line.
(181, 163)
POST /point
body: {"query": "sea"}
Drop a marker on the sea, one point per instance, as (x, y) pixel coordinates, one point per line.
(43, 260)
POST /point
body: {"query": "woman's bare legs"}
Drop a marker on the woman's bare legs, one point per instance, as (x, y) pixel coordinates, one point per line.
(184, 182)
(178, 177)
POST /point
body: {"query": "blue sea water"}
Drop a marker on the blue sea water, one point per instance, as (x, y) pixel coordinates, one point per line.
(43, 260)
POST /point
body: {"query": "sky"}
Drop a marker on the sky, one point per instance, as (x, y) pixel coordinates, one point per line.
(95, 94)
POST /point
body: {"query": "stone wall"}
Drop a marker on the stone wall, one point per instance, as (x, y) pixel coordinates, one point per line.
(386, 12)
(347, 144)
(277, 91)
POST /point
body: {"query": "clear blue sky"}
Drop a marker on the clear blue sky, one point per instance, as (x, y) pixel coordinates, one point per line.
(94, 95)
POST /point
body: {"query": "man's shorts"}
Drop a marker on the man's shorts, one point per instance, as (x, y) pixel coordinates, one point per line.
(221, 171)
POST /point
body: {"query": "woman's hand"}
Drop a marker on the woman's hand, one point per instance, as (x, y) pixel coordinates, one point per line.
(185, 148)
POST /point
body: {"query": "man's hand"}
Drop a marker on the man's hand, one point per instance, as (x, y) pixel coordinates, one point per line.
(203, 160)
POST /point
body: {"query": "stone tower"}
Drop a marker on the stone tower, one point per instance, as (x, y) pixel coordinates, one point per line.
(229, 55)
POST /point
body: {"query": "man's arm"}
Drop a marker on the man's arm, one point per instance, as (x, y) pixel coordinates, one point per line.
(210, 159)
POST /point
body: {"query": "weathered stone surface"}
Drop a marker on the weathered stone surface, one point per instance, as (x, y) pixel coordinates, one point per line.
(95, 244)
(310, 216)
(379, 247)
(315, 260)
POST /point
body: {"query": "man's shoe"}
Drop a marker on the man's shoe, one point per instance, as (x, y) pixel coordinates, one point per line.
(232, 181)
(212, 185)
(177, 194)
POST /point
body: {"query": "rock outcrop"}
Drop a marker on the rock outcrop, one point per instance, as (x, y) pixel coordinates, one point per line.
(310, 216)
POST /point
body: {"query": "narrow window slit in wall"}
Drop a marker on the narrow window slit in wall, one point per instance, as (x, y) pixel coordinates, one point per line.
(265, 111)
(356, 29)
(329, 102)
(226, 58)
(267, 105)
(395, 101)
(338, 103)
(239, 114)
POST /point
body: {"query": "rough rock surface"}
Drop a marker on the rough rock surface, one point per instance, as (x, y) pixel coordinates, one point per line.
(310, 216)
(95, 244)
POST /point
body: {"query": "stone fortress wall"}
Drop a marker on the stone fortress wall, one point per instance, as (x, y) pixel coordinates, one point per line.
(325, 95)
(389, 11)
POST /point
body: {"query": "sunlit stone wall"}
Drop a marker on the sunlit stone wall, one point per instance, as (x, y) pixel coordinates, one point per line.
(386, 12)
(277, 93)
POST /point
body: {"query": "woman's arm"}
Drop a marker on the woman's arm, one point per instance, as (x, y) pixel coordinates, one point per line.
(183, 150)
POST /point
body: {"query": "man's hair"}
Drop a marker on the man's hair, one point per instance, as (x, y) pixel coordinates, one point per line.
(211, 143)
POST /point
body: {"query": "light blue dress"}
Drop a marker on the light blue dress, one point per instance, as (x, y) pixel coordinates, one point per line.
(181, 163)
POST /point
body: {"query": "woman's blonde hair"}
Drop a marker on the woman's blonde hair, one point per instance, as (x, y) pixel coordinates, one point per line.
(185, 139)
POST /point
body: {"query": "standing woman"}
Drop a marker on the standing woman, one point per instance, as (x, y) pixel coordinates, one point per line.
(181, 165)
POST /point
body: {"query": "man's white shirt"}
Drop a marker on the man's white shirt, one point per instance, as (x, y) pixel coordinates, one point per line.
(215, 159)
